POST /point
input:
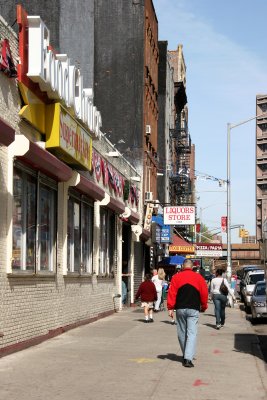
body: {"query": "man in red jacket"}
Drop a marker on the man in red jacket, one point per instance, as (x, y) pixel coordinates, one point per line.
(148, 294)
(188, 295)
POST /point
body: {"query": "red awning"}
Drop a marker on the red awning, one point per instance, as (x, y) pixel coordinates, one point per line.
(7, 133)
(134, 218)
(90, 188)
(177, 241)
(145, 235)
(44, 161)
(116, 205)
(181, 246)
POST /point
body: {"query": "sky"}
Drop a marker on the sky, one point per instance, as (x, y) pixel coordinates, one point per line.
(224, 45)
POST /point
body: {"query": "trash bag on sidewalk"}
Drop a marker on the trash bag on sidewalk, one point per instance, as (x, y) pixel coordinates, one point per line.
(230, 301)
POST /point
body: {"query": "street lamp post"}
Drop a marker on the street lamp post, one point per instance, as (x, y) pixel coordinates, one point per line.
(229, 128)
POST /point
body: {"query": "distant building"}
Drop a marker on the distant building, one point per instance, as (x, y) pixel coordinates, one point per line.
(182, 179)
(261, 164)
(249, 239)
(165, 123)
(216, 239)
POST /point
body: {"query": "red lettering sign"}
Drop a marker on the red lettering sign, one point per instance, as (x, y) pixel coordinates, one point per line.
(223, 224)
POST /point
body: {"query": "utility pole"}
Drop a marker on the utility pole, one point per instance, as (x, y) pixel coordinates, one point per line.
(229, 128)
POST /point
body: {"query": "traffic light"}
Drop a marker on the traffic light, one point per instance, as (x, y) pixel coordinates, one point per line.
(197, 228)
(243, 233)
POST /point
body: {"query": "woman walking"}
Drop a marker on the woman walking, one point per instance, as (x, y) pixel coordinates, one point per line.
(157, 279)
(219, 298)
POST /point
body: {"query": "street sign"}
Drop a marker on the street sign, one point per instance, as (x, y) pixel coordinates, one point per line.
(165, 236)
(223, 224)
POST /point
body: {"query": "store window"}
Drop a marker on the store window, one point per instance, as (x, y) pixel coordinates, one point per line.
(80, 233)
(107, 242)
(34, 221)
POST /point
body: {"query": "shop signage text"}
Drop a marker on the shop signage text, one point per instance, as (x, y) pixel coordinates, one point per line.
(54, 74)
(209, 250)
(181, 249)
(67, 138)
(180, 215)
(148, 216)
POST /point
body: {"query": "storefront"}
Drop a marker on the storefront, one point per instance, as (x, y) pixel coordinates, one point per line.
(64, 200)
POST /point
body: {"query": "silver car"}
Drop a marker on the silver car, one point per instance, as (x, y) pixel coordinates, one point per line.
(258, 301)
(251, 279)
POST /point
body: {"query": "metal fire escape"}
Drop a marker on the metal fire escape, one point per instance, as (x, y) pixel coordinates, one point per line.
(181, 191)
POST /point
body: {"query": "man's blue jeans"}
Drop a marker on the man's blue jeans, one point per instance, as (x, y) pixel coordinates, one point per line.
(187, 324)
(220, 301)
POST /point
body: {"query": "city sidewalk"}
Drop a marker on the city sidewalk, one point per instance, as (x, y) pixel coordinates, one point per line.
(122, 358)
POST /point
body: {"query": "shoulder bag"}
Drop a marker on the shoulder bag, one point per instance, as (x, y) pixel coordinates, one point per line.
(224, 289)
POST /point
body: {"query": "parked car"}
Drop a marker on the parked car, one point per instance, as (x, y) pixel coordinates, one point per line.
(250, 281)
(242, 273)
(259, 302)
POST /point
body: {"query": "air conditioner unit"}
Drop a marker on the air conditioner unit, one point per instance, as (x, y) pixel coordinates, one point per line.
(148, 196)
(148, 129)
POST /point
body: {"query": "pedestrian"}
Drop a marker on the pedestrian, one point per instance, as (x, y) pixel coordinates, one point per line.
(178, 269)
(165, 288)
(123, 292)
(148, 294)
(157, 279)
(202, 271)
(219, 298)
(188, 295)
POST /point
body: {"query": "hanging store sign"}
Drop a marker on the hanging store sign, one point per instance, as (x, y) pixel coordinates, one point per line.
(148, 216)
(179, 215)
(67, 138)
(209, 250)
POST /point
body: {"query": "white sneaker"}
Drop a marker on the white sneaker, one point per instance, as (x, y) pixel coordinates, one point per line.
(218, 326)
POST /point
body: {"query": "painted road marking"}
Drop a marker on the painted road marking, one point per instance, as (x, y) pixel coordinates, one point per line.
(216, 351)
(199, 382)
(143, 360)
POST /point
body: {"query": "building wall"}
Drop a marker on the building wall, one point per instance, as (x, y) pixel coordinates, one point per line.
(165, 122)
(65, 21)
(162, 121)
(119, 63)
(249, 239)
(261, 165)
(178, 64)
(35, 306)
(151, 60)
